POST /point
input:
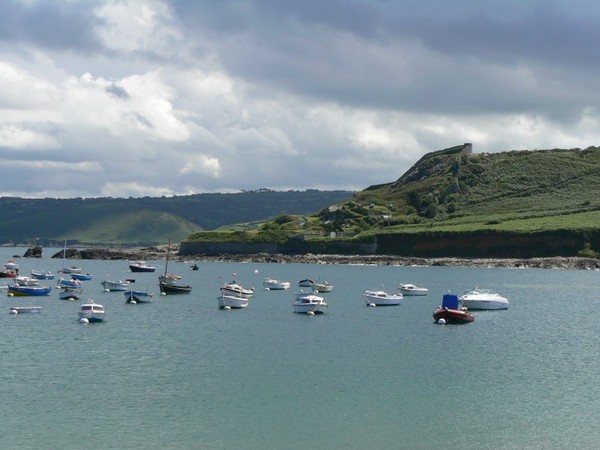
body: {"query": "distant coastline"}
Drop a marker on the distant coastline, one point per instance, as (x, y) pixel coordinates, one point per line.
(159, 252)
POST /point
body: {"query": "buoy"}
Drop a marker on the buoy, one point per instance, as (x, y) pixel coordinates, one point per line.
(10, 294)
(163, 293)
(106, 290)
(14, 311)
(267, 289)
(372, 305)
(133, 302)
(227, 307)
(83, 320)
(255, 270)
(310, 313)
(442, 321)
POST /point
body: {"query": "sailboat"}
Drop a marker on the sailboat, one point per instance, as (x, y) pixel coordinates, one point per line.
(168, 283)
(71, 269)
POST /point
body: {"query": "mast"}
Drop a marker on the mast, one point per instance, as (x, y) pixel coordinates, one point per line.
(167, 260)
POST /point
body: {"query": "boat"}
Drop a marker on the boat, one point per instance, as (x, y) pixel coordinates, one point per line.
(306, 282)
(69, 293)
(25, 309)
(137, 296)
(306, 303)
(91, 311)
(274, 285)
(22, 291)
(8, 273)
(42, 275)
(11, 265)
(118, 285)
(316, 285)
(71, 283)
(194, 267)
(483, 299)
(382, 298)
(71, 269)
(82, 276)
(238, 290)
(451, 312)
(231, 301)
(26, 281)
(412, 290)
(168, 283)
(140, 266)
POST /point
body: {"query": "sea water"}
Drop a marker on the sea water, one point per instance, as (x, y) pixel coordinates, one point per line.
(179, 373)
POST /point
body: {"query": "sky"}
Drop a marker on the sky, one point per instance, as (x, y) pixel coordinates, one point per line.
(134, 98)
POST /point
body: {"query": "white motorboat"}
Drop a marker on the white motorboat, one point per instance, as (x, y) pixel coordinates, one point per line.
(231, 301)
(382, 298)
(91, 311)
(26, 281)
(316, 286)
(275, 285)
(237, 290)
(305, 303)
(410, 289)
(115, 285)
(483, 299)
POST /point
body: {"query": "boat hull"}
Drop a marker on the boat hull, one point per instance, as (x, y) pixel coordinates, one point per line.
(137, 297)
(169, 288)
(115, 286)
(276, 285)
(29, 291)
(136, 268)
(232, 302)
(453, 316)
(70, 294)
(382, 298)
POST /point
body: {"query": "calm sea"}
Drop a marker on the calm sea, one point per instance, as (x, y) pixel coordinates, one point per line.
(181, 374)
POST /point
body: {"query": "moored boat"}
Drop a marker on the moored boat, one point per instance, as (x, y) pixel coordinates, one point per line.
(382, 298)
(231, 301)
(309, 304)
(27, 291)
(42, 274)
(316, 286)
(140, 266)
(412, 290)
(237, 289)
(451, 312)
(119, 285)
(483, 299)
(63, 282)
(168, 283)
(132, 296)
(82, 276)
(25, 309)
(91, 312)
(275, 285)
(70, 293)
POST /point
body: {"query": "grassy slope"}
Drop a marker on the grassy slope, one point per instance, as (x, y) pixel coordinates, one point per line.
(516, 191)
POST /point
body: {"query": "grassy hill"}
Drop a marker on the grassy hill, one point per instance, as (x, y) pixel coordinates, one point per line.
(453, 201)
(148, 220)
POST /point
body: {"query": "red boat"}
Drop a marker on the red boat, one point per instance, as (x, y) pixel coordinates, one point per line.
(451, 311)
(8, 273)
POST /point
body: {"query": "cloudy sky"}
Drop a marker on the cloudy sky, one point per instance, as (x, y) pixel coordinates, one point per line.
(131, 98)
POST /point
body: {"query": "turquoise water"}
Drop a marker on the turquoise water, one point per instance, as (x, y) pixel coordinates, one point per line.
(179, 373)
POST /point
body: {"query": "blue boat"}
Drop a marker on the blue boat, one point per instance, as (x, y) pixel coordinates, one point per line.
(137, 297)
(42, 275)
(82, 276)
(22, 291)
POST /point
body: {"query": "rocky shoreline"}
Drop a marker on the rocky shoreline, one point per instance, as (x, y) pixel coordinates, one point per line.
(160, 252)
